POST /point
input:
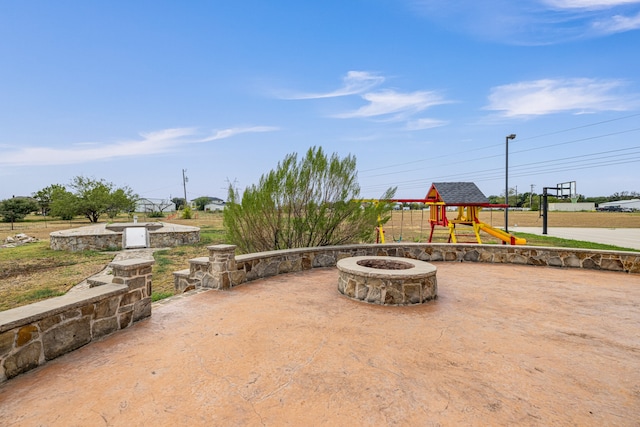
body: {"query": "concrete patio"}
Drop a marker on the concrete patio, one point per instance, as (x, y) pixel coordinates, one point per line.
(502, 345)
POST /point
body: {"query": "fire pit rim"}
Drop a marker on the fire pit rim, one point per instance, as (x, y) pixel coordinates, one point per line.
(420, 268)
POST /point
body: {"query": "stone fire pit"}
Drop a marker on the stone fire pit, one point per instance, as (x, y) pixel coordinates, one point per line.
(387, 280)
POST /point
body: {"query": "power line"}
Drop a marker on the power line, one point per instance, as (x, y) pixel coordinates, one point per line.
(475, 159)
(578, 127)
(519, 140)
(582, 161)
(578, 140)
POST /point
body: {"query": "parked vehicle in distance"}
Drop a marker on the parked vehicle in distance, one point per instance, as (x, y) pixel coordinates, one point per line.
(612, 209)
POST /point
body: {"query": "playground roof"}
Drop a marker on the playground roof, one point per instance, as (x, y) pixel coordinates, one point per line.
(456, 193)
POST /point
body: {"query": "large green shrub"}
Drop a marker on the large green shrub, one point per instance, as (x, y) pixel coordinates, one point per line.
(311, 202)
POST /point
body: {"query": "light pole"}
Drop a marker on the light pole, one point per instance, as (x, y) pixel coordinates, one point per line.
(506, 181)
(184, 184)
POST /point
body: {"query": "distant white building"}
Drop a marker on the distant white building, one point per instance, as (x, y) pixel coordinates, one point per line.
(625, 205)
(216, 205)
(155, 205)
(572, 207)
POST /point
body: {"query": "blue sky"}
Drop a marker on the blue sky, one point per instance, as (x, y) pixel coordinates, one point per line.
(419, 91)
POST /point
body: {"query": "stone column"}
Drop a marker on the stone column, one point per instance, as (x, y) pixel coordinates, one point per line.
(136, 274)
(222, 262)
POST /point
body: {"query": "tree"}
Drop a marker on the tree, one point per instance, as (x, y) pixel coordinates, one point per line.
(179, 202)
(311, 202)
(96, 197)
(201, 202)
(92, 198)
(16, 208)
(44, 197)
(623, 195)
(121, 200)
(64, 204)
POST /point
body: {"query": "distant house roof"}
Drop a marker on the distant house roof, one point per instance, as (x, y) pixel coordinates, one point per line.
(456, 193)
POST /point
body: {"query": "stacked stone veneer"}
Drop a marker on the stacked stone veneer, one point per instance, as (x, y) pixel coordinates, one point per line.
(112, 237)
(36, 333)
(414, 283)
(222, 269)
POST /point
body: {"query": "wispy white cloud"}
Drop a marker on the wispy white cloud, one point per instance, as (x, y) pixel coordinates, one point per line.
(394, 105)
(549, 96)
(228, 133)
(150, 143)
(533, 22)
(617, 24)
(425, 123)
(587, 4)
(353, 83)
(384, 105)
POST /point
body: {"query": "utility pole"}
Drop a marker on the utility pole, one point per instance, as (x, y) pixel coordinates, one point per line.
(531, 196)
(230, 184)
(506, 181)
(184, 185)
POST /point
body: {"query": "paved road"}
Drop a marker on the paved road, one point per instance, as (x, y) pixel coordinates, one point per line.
(623, 237)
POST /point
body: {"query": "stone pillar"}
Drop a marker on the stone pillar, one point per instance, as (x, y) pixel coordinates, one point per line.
(136, 274)
(222, 263)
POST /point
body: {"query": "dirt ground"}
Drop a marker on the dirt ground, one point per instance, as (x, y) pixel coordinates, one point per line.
(503, 345)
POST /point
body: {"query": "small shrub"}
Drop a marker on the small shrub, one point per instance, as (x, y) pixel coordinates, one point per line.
(155, 214)
(186, 213)
(157, 296)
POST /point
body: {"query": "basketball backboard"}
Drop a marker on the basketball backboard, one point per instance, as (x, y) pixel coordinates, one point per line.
(567, 190)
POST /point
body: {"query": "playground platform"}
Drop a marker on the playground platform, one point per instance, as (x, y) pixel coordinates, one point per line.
(502, 345)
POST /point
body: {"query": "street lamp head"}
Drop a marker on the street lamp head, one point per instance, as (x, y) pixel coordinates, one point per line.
(512, 136)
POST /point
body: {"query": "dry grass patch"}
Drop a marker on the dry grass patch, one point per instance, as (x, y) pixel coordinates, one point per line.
(34, 272)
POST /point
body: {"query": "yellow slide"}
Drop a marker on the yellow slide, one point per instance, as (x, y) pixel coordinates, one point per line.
(502, 235)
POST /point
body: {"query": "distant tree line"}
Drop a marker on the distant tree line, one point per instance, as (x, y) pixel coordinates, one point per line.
(532, 200)
(88, 197)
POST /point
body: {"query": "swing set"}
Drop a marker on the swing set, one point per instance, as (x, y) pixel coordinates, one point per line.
(469, 201)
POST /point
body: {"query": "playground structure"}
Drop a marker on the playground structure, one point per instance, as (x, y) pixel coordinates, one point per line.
(469, 201)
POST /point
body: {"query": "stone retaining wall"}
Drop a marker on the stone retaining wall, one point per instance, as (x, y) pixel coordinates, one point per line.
(34, 334)
(92, 242)
(159, 239)
(101, 237)
(222, 269)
